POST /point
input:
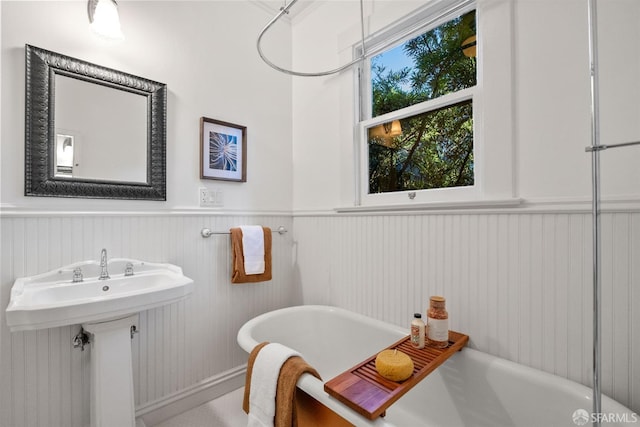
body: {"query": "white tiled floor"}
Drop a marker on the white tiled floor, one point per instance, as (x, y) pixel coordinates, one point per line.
(225, 411)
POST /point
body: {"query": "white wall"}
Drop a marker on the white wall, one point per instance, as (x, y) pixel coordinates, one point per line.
(553, 98)
(183, 348)
(301, 157)
(204, 52)
(518, 283)
(517, 279)
(551, 116)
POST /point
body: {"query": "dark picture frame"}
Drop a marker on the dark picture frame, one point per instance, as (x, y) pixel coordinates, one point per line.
(223, 150)
(42, 66)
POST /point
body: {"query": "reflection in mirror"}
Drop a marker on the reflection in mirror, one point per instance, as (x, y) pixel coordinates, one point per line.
(64, 155)
(91, 131)
(115, 127)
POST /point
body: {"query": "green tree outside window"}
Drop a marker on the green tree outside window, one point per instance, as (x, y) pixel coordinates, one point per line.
(433, 149)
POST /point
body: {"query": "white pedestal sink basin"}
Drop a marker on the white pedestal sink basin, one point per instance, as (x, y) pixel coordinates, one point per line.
(52, 299)
(106, 309)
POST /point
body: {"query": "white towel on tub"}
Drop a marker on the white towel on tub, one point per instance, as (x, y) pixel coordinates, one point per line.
(264, 383)
(253, 249)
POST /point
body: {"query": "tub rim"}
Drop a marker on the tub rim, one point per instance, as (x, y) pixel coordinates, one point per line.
(307, 382)
(246, 341)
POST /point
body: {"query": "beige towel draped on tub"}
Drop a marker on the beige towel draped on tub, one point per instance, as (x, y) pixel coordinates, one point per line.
(238, 274)
(285, 397)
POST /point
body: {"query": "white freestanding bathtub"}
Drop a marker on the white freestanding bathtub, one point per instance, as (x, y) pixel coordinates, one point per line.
(471, 389)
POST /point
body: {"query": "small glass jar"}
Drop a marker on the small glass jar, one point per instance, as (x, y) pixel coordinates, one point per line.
(437, 323)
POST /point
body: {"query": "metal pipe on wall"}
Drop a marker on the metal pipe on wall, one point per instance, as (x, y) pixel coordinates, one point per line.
(595, 186)
(595, 148)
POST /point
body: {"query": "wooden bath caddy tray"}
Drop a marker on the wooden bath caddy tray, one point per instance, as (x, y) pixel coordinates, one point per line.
(365, 391)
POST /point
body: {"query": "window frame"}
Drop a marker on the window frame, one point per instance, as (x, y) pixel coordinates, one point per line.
(445, 193)
(494, 149)
(423, 22)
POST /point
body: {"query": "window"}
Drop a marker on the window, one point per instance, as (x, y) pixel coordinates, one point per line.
(469, 115)
(419, 131)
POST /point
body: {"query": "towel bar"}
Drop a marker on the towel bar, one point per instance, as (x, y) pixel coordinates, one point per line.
(205, 232)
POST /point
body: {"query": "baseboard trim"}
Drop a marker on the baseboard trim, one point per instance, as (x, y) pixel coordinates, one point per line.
(155, 412)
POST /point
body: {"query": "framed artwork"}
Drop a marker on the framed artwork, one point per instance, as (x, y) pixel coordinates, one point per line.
(223, 150)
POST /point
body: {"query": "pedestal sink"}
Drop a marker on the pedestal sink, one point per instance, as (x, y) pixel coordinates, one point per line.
(107, 309)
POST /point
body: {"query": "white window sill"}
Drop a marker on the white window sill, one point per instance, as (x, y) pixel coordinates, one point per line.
(434, 206)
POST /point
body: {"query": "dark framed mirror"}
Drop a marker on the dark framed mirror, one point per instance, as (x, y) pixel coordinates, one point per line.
(91, 131)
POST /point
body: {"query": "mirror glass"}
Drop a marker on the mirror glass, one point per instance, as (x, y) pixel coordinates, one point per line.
(92, 131)
(101, 132)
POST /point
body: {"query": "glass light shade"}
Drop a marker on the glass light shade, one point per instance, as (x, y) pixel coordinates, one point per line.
(469, 47)
(385, 132)
(106, 21)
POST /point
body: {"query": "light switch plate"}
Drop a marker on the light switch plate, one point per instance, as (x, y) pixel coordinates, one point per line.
(209, 197)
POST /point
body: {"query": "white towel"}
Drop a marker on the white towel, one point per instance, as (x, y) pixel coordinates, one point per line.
(253, 249)
(264, 383)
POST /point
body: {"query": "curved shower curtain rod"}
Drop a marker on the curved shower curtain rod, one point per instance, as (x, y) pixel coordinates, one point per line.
(455, 7)
(284, 10)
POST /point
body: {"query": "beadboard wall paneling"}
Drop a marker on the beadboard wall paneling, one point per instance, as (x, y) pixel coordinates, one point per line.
(520, 284)
(44, 381)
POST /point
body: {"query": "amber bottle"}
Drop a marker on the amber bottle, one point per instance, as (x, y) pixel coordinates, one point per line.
(437, 323)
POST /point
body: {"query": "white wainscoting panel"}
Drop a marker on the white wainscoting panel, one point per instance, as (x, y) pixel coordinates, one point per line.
(44, 382)
(519, 284)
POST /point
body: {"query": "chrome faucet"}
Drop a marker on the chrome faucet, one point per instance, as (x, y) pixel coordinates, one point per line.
(104, 274)
(128, 269)
(77, 275)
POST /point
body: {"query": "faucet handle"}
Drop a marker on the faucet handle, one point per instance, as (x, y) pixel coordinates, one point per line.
(77, 275)
(128, 269)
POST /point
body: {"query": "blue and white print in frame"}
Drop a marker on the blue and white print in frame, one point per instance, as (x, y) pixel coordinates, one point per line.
(223, 150)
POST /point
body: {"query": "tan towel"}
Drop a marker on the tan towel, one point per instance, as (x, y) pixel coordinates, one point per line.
(238, 275)
(291, 370)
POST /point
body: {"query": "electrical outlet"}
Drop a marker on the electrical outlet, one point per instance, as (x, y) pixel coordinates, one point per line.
(210, 197)
(203, 196)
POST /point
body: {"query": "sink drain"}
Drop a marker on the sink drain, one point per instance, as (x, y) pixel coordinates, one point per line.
(105, 288)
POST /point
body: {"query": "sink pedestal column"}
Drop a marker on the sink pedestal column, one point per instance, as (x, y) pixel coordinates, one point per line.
(112, 402)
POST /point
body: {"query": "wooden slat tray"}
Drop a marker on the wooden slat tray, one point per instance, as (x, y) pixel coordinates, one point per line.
(364, 390)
